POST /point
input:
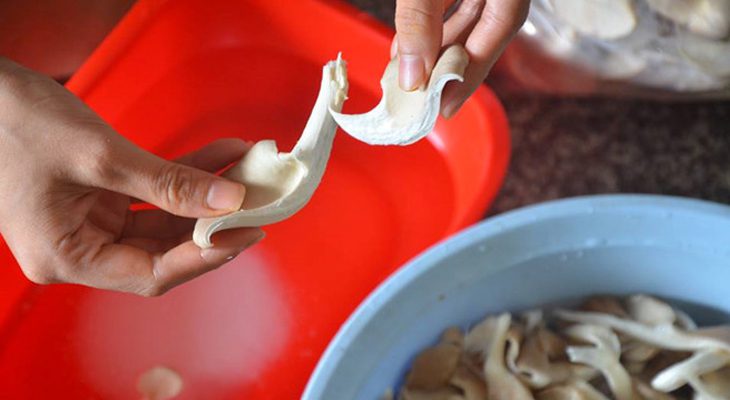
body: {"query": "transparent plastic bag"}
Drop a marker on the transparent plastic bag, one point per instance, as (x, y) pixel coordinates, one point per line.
(640, 48)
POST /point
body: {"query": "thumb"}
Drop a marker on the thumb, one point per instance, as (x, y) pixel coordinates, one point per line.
(419, 27)
(173, 187)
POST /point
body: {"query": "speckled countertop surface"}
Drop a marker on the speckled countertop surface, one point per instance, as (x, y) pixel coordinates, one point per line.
(570, 147)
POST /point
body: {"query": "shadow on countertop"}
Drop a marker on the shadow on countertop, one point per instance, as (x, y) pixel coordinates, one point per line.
(569, 147)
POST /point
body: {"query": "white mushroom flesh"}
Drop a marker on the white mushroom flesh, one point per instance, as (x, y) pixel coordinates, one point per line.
(640, 348)
(710, 18)
(603, 355)
(280, 184)
(402, 117)
(604, 19)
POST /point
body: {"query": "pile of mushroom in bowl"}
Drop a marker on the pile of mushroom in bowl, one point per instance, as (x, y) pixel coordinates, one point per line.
(602, 297)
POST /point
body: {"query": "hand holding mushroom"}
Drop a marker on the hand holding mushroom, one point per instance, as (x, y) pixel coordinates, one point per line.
(483, 27)
(67, 183)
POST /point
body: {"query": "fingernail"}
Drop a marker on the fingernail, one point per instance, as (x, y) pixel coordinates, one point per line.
(450, 109)
(261, 235)
(411, 71)
(219, 255)
(225, 195)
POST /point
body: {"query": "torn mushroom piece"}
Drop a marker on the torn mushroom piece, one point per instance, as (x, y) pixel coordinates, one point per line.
(690, 372)
(434, 367)
(603, 355)
(280, 184)
(578, 390)
(666, 337)
(402, 117)
(710, 18)
(501, 383)
(537, 366)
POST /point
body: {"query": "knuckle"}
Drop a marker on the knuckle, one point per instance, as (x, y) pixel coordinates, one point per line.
(154, 290)
(507, 21)
(39, 274)
(470, 8)
(175, 184)
(100, 161)
(415, 18)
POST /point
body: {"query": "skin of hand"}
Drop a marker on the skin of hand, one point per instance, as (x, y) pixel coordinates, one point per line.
(483, 27)
(67, 180)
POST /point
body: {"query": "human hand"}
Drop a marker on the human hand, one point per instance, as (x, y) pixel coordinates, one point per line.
(66, 183)
(484, 27)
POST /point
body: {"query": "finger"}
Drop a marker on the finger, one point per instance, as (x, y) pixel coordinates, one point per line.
(155, 224)
(126, 268)
(216, 155)
(175, 188)
(462, 21)
(498, 23)
(419, 24)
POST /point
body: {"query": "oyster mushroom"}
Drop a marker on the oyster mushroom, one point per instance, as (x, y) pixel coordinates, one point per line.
(280, 184)
(473, 387)
(717, 383)
(479, 337)
(690, 371)
(444, 393)
(434, 367)
(663, 336)
(401, 117)
(578, 390)
(710, 56)
(603, 356)
(604, 19)
(646, 392)
(649, 310)
(710, 18)
(605, 304)
(533, 320)
(501, 384)
(535, 368)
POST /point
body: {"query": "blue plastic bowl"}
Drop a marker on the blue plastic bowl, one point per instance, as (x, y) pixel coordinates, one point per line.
(555, 252)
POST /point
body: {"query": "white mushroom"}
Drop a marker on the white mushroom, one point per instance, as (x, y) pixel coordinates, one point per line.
(159, 383)
(666, 337)
(280, 184)
(478, 338)
(717, 383)
(646, 392)
(535, 368)
(578, 390)
(649, 310)
(501, 384)
(604, 19)
(710, 56)
(444, 393)
(533, 320)
(402, 117)
(710, 18)
(434, 367)
(603, 356)
(690, 372)
(473, 387)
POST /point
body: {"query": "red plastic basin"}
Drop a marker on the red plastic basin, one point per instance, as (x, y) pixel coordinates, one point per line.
(175, 75)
